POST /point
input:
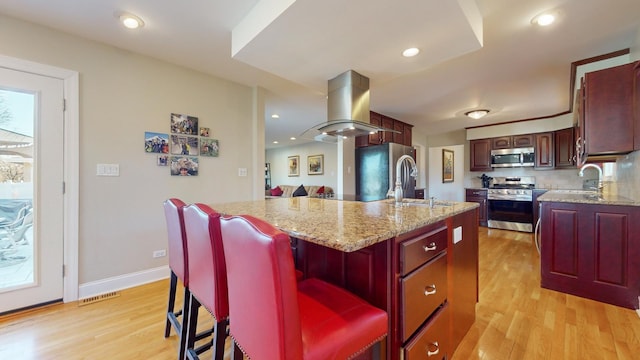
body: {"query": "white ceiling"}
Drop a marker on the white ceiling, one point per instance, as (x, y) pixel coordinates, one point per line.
(475, 54)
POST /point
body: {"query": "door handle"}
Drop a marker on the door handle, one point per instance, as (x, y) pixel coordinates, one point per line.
(430, 247)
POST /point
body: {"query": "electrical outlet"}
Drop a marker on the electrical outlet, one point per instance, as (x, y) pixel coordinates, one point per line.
(159, 253)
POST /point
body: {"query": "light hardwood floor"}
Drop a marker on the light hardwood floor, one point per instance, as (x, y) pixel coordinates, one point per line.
(516, 319)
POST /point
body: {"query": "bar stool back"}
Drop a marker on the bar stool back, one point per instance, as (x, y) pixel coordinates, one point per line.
(275, 317)
(177, 251)
(207, 277)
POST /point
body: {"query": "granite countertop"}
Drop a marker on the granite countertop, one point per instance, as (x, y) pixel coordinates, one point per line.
(345, 225)
(587, 197)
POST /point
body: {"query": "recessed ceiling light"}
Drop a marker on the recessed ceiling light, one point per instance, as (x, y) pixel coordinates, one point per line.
(292, 138)
(131, 21)
(477, 114)
(275, 142)
(544, 19)
(411, 52)
(275, 116)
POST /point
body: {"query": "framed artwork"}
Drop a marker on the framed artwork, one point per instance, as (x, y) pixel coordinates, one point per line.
(315, 164)
(209, 147)
(163, 160)
(156, 142)
(293, 165)
(184, 145)
(204, 131)
(184, 166)
(447, 166)
(184, 124)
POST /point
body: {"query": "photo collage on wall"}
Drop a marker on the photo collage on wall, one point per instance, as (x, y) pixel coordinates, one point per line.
(180, 149)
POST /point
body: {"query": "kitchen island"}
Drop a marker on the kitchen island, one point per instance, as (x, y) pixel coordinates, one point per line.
(590, 246)
(417, 262)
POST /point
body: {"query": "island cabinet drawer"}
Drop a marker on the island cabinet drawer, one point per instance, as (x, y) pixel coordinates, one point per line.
(417, 251)
(432, 341)
(421, 293)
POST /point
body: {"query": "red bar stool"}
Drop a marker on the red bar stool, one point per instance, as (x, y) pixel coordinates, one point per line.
(207, 277)
(178, 261)
(275, 317)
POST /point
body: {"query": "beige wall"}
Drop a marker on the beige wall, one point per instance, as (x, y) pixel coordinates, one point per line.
(122, 95)
(279, 172)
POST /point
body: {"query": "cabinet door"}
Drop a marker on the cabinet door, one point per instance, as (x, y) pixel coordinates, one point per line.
(544, 151)
(579, 131)
(608, 110)
(591, 251)
(636, 106)
(564, 149)
(387, 123)
(523, 141)
(503, 142)
(375, 119)
(398, 137)
(479, 196)
(407, 134)
(480, 155)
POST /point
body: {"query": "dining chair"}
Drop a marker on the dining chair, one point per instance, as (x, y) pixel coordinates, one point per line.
(178, 264)
(276, 317)
(207, 278)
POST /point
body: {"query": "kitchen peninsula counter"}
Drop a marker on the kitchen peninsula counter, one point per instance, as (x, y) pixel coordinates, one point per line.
(587, 197)
(345, 225)
(418, 263)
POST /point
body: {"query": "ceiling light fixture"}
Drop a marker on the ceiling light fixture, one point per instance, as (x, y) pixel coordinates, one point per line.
(544, 19)
(275, 116)
(411, 52)
(292, 138)
(477, 114)
(275, 141)
(131, 21)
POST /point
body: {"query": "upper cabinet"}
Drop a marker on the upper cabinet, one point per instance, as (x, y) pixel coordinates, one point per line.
(403, 136)
(544, 151)
(564, 149)
(516, 141)
(480, 155)
(606, 119)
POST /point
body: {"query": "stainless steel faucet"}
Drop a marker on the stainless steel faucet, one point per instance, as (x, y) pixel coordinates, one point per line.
(581, 173)
(414, 172)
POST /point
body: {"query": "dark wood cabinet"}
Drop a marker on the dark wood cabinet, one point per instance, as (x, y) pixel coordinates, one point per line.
(403, 136)
(592, 251)
(564, 149)
(479, 196)
(636, 105)
(419, 193)
(536, 204)
(544, 151)
(608, 126)
(516, 141)
(463, 281)
(480, 155)
(426, 280)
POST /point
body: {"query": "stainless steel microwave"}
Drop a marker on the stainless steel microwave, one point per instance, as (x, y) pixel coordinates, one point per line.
(516, 157)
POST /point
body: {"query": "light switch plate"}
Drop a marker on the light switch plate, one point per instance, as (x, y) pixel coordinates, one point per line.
(108, 170)
(242, 171)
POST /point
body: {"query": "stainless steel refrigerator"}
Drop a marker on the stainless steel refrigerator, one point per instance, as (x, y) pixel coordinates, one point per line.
(376, 168)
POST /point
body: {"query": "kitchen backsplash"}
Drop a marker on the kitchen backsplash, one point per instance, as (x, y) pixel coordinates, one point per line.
(628, 176)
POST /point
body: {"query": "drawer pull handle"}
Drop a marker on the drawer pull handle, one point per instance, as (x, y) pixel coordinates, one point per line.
(430, 290)
(430, 247)
(436, 351)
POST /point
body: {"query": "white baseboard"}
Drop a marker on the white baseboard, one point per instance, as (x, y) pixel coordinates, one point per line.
(126, 281)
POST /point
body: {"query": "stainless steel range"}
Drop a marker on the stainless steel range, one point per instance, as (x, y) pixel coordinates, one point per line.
(510, 203)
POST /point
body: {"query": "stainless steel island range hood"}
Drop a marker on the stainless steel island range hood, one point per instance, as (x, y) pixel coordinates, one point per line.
(347, 110)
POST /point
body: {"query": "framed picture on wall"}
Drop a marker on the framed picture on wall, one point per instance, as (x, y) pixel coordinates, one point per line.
(447, 166)
(315, 164)
(293, 165)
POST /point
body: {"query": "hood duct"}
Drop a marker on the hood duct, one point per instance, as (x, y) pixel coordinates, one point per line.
(347, 110)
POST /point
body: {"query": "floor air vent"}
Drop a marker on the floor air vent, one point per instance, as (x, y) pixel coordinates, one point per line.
(97, 298)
